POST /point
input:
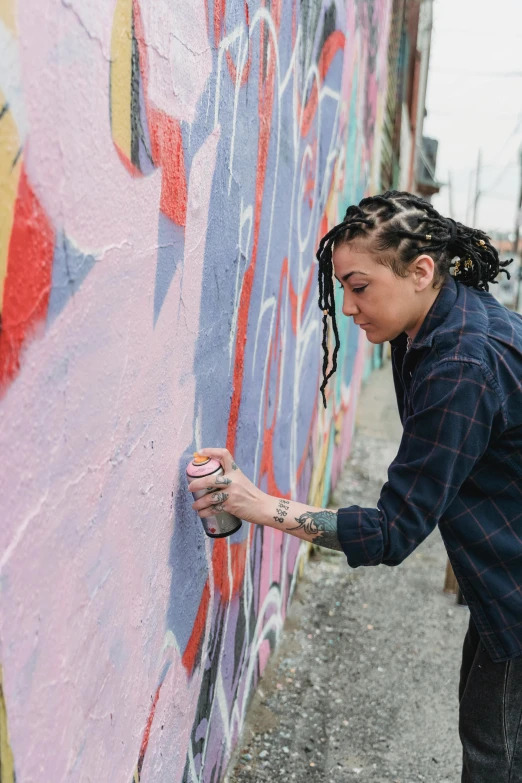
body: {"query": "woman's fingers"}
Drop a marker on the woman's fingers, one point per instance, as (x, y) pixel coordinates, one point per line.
(223, 455)
(209, 483)
(219, 497)
(212, 502)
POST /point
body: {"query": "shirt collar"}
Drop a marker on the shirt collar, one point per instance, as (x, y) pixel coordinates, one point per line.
(436, 316)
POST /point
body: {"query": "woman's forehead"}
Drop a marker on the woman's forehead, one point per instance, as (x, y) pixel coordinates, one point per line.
(352, 256)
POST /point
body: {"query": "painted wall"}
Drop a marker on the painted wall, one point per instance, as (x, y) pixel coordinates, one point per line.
(166, 170)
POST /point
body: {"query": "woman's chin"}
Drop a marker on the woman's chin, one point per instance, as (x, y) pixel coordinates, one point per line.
(373, 338)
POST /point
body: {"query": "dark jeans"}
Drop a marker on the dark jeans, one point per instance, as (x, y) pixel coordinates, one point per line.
(490, 724)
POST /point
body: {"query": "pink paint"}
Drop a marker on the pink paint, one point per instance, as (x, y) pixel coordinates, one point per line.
(180, 58)
(84, 475)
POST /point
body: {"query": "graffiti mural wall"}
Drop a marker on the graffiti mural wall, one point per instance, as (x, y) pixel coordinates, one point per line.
(166, 170)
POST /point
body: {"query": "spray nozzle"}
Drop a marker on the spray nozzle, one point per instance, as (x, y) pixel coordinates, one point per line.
(199, 459)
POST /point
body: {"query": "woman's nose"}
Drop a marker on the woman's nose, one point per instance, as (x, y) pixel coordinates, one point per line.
(349, 307)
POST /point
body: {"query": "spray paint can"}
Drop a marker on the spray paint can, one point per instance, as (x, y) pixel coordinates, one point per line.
(221, 524)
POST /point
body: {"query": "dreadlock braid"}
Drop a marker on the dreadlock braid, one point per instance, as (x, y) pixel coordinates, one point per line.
(402, 226)
(354, 221)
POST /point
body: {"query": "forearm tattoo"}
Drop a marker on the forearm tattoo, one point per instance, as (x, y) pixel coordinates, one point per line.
(281, 510)
(322, 525)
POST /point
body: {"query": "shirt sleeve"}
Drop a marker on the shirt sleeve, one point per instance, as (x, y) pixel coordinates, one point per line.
(452, 413)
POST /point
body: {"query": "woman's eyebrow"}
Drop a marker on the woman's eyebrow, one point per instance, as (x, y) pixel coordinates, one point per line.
(346, 277)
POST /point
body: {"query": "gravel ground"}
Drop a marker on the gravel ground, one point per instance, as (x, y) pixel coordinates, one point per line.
(363, 684)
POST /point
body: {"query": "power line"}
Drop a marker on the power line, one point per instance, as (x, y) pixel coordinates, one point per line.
(500, 177)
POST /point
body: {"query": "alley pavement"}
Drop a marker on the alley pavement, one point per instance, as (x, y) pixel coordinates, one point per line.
(363, 685)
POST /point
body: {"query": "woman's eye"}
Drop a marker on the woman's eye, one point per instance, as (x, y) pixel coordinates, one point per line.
(359, 290)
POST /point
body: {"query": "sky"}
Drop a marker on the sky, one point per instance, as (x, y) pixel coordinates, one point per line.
(474, 102)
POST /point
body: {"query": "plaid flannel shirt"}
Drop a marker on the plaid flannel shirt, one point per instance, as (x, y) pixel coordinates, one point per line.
(459, 464)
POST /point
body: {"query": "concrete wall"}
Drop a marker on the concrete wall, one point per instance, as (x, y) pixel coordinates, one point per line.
(166, 171)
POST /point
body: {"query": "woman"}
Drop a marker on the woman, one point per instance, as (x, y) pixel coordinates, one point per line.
(457, 365)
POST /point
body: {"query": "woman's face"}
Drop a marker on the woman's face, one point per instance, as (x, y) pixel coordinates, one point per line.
(381, 303)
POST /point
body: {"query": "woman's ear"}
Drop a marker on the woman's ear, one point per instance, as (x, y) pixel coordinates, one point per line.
(423, 271)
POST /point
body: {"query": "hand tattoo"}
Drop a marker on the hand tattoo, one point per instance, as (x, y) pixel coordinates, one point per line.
(281, 510)
(219, 507)
(219, 497)
(220, 481)
(234, 466)
(322, 525)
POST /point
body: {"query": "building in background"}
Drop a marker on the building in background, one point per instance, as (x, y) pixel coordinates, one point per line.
(408, 159)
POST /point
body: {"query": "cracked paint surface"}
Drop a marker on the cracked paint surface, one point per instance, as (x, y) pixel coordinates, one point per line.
(166, 172)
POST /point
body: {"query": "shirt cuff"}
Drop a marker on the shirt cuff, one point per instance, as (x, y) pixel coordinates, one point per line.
(360, 535)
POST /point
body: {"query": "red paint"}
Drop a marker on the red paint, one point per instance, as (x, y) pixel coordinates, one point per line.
(127, 163)
(165, 138)
(332, 45)
(212, 529)
(220, 33)
(266, 101)
(194, 643)
(293, 295)
(335, 42)
(219, 17)
(28, 280)
(238, 555)
(146, 733)
(167, 152)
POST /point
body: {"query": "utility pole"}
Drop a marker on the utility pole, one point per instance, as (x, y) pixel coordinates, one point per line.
(517, 235)
(477, 189)
(450, 197)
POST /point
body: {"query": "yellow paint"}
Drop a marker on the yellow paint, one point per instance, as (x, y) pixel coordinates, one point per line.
(8, 15)
(7, 772)
(9, 176)
(121, 75)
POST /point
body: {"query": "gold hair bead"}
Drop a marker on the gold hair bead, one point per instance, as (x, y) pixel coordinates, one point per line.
(457, 267)
(482, 243)
(468, 263)
(325, 312)
(428, 237)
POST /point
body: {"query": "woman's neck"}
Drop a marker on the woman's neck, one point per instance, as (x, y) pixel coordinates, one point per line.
(431, 296)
